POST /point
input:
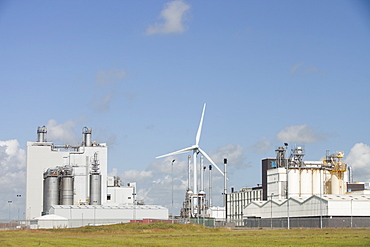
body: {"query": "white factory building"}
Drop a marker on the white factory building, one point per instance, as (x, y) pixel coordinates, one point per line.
(70, 184)
(301, 193)
(326, 205)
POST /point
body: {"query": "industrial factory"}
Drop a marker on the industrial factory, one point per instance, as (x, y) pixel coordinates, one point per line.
(68, 186)
(298, 193)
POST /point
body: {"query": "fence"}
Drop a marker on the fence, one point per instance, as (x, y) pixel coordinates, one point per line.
(311, 222)
(72, 223)
(12, 225)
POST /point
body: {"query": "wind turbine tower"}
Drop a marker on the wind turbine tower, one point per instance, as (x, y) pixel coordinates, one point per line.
(195, 208)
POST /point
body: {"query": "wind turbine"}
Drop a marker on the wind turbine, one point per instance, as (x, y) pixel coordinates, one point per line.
(196, 149)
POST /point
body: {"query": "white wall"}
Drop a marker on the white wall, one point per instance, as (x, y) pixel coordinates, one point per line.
(120, 195)
(91, 214)
(276, 183)
(40, 156)
(330, 205)
(217, 212)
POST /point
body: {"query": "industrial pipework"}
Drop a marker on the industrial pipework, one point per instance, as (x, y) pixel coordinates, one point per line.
(280, 157)
(296, 157)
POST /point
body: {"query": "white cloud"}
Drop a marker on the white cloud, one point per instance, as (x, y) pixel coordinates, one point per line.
(295, 68)
(300, 134)
(102, 103)
(312, 69)
(62, 132)
(233, 153)
(136, 176)
(302, 69)
(164, 166)
(113, 173)
(359, 159)
(109, 89)
(12, 179)
(154, 184)
(172, 16)
(262, 145)
(109, 77)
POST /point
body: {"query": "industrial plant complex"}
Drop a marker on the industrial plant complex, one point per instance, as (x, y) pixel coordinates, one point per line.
(69, 186)
(298, 193)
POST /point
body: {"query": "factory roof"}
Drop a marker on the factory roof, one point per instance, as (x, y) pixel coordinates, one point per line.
(107, 207)
(335, 205)
(347, 197)
(326, 197)
(50, 217)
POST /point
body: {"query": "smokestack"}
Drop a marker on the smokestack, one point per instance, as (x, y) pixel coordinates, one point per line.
(189, 190)
(225, 176)
(41, 134)
(225, 188)
(210, 185)
(201, 191)
(86, 135)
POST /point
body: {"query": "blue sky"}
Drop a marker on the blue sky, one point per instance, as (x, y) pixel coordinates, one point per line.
(139, 72)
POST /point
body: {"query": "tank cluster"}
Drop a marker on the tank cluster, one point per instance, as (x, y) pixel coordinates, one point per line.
(58, 187)
(296, 177)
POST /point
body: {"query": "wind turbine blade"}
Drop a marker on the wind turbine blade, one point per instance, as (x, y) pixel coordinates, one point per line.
(197, 138)
(188, 149)
(210, 160)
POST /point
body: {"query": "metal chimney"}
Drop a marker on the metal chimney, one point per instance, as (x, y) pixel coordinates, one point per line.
(201, 191)
(225, 177)
(210, 185)
(86, 135)
(41, 134)
(189, 190)
(225, 188)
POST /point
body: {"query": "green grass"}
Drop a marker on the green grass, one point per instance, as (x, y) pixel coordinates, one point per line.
(166, 234)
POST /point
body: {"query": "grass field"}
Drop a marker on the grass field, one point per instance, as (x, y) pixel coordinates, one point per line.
(165, 234)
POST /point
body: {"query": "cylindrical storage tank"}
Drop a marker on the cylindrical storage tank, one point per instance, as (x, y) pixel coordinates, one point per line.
(293, 182)
(327, 182)
(95, 189)
(66, 190)
(335, 183)
(51, 192)
(317, 182)
(306, 182)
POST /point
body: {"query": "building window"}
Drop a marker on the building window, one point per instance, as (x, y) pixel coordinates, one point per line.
(108, 197)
